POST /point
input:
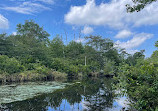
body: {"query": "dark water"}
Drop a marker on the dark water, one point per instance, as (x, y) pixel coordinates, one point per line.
(85, 95)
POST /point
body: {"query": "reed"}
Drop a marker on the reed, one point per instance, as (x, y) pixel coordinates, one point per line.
(32, 76)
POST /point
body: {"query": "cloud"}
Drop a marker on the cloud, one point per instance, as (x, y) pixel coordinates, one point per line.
(112, 14)
(132, 51)
(136, 41)
(14, 33)
(82, 40)
(27, 8)
(123, 34)
(87, 30)
(46, 1)
(4, 23)
(123, 102)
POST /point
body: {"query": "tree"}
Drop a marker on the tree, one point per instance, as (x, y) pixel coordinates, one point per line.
(31, 29)
(154, 54)
(56, 47)
(100, 44)
(105, 49)
(133, 59)
(139, 5)
(5, 45)
(74, 50)
(29, 45)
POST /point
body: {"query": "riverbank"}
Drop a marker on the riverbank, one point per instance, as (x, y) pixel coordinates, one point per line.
(32, 76)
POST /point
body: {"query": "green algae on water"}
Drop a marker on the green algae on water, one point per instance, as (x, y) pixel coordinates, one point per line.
(20, 92)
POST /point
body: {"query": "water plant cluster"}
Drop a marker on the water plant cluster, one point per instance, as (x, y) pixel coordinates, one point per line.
(23, 91)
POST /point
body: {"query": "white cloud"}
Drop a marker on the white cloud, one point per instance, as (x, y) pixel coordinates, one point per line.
(27, 8)
(112, 14)
(123, 102)
(136, 41)
(14, 33)
(46, 1)
(82, 40)
(4, 23)
(123, 34)
(87, 30)
(132, 51)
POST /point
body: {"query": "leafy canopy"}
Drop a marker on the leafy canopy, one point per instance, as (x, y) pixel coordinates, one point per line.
(139, 5)
(31, 29)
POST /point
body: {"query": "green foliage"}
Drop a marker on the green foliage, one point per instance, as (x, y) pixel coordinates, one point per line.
(33, 30)
(10, 65)
(155, 54)
(132, 60)
(139, 5)
(141, 84)
(85, 70)
(30, 55)
(32, 48)
(109, 68)
(105, 50)
(64, 66)
(6, 46)
(74, 50)
(56, 47)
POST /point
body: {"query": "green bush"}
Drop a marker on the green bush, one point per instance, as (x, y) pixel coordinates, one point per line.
(109, 68)
(58, 64)
(43, 70)
(10, 65)
(85, 70)
(141, 84)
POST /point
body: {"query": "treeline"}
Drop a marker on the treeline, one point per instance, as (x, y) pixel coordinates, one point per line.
(31, 55)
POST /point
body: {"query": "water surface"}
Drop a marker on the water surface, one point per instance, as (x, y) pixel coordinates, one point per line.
(85, 95)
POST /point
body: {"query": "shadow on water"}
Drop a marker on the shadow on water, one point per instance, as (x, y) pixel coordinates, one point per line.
(88, 94)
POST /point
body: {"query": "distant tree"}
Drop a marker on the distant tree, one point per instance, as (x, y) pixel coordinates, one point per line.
(30, 43)
(133, 59)
(155, 54)
(156, 44)
(31, 29)
(56, 47)
(5, 45)
(74, 49)
(105, 49)
(99, 43)
(139, 5)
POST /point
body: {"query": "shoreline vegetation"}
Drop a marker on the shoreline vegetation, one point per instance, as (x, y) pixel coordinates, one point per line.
(28, 76)
(31, 55)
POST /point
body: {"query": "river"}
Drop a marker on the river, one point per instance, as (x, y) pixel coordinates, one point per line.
(80, 95)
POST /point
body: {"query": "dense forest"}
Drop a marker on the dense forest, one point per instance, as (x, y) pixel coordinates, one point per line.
(30, 55)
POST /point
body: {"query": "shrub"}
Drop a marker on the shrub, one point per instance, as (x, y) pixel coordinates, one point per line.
(10, 65)
(141, 84)
(109, 67)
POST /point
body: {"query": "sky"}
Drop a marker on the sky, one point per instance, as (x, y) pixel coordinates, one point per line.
(79, 18)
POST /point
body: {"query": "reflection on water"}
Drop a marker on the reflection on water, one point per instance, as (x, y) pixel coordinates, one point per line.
(89, 94)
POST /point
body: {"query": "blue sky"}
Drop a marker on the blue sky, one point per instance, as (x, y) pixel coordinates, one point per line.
(108, 18)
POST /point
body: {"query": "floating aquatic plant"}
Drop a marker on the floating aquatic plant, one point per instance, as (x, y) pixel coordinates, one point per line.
(20, 92)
